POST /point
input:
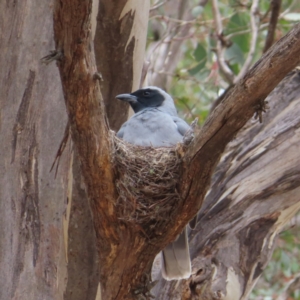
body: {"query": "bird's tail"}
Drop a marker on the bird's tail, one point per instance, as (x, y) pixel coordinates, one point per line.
(176, 262)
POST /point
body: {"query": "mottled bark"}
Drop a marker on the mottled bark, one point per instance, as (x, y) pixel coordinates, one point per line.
(125, 253)
(41, 256)
(120, 42)
(45, 231)
(254, 193)
(32, 122)
(80, 240)
(241, 102)
(120, 272)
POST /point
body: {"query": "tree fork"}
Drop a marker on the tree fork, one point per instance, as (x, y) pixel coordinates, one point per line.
(253, 194)
(122, 271)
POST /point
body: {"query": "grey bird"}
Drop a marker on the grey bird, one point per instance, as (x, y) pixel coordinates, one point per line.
(156, 123)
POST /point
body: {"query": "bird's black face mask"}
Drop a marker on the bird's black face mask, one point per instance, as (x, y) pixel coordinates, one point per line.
(143, 98)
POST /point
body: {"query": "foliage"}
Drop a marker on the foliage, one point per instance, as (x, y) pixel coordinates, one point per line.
(282, 275)
(198, 75)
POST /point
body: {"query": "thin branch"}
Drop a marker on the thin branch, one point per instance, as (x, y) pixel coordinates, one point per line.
(288, 10)
(220, 43)
(179, 21)
(237, 33)
(184, 22)
(158, 5)
(254, 30)
(177, 39)
(275, 10)
(91, 137)
(170, 46)
(237, 107)
(283, 295)
(86, 111)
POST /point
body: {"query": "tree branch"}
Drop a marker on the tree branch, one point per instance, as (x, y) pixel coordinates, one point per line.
(82, 92)
(254, 30)
(238, 106)
(163, 54)
(283, 295)
(122, 270)
(253, 194)
(220, 43)
(275, 10)
(86, 112)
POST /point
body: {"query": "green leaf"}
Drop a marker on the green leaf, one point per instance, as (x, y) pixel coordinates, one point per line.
(200, 53)
(285, 263)
(201, 57)
(238, 23)
(197, 68)
(295, 266)
(234, 55)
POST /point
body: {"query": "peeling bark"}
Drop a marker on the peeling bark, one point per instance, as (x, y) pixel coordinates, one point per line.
(125, 254)
(120, 276)
(35, 247)
(32, 201)
(254, 193)
(120, 43)
(239, 105)
(37, 253)
(79, 235)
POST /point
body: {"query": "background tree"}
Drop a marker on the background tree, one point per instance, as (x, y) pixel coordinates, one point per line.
(48, 247)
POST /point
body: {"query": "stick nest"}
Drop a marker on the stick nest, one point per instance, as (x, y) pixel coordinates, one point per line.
(146, 183)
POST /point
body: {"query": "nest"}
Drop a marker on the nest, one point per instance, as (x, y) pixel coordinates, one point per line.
(146, 183)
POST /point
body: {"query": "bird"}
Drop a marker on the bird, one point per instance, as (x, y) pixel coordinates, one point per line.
(155, 123)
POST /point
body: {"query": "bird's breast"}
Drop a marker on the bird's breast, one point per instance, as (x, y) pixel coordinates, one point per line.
(152, 128)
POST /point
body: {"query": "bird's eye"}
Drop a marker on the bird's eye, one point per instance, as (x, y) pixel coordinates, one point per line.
(146, 93)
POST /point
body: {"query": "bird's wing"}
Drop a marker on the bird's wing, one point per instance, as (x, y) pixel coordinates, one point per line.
(176, 262)
(120, 133)
(182, 126)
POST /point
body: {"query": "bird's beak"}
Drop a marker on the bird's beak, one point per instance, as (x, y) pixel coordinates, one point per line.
(127, 97)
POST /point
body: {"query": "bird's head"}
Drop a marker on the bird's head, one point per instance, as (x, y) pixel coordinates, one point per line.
(149, 97)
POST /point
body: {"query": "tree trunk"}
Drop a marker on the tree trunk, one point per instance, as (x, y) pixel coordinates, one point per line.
(43, 215)
(33, 120)
(254, 193)
(126, 247)
(120, 43)
(47, 244)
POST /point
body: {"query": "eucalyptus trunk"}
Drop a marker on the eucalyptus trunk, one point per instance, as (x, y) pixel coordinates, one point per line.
(57, 121)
